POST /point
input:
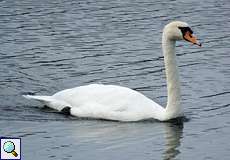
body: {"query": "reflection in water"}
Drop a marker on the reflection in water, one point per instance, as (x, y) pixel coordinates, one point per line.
(173, 134)
(115, 137)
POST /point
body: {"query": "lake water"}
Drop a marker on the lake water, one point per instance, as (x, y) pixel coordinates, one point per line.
(47, 46)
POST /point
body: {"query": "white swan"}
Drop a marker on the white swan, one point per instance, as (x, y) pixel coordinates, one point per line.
(123, 104)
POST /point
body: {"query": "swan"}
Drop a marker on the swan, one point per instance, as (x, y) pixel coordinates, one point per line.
(120, 103)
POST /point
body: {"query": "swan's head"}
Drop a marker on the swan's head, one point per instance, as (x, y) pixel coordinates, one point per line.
(178, 30)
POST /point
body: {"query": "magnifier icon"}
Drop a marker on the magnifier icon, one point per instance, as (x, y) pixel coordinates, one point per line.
(9, 147)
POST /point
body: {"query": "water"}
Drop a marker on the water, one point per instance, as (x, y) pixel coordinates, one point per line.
(47, 46)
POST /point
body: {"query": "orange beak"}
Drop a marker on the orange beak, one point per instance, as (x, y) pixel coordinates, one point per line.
(189, 37)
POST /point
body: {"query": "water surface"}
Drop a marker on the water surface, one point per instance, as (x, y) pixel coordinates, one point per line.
(47, 46)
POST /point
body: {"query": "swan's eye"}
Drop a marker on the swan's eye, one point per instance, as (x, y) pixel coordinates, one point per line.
(185, 29)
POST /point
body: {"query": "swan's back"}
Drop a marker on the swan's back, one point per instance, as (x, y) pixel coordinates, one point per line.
(109, 102)
(104, 101)
(110, 96)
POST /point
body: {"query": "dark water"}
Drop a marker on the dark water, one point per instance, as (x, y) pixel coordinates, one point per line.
(47, 46)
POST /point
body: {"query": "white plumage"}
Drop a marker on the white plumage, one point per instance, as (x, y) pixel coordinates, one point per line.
(120, 103)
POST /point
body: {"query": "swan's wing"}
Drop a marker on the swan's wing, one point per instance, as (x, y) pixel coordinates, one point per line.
(110, 97)
(95, 110)
(103, 101)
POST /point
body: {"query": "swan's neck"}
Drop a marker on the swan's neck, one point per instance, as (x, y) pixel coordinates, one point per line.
(173, 108)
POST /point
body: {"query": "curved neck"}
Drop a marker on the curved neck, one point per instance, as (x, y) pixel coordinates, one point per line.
(173, 108)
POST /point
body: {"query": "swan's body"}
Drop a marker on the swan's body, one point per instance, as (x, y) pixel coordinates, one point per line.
(123, 104)
(106, 102)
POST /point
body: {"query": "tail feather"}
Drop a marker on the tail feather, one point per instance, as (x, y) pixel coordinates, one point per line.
(49, 101)
(39, 98)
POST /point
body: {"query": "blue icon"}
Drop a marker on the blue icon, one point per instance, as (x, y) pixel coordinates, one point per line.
(9, 147)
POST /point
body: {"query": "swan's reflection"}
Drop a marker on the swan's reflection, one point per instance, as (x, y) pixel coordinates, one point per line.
(142, 138)
(173, 134)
